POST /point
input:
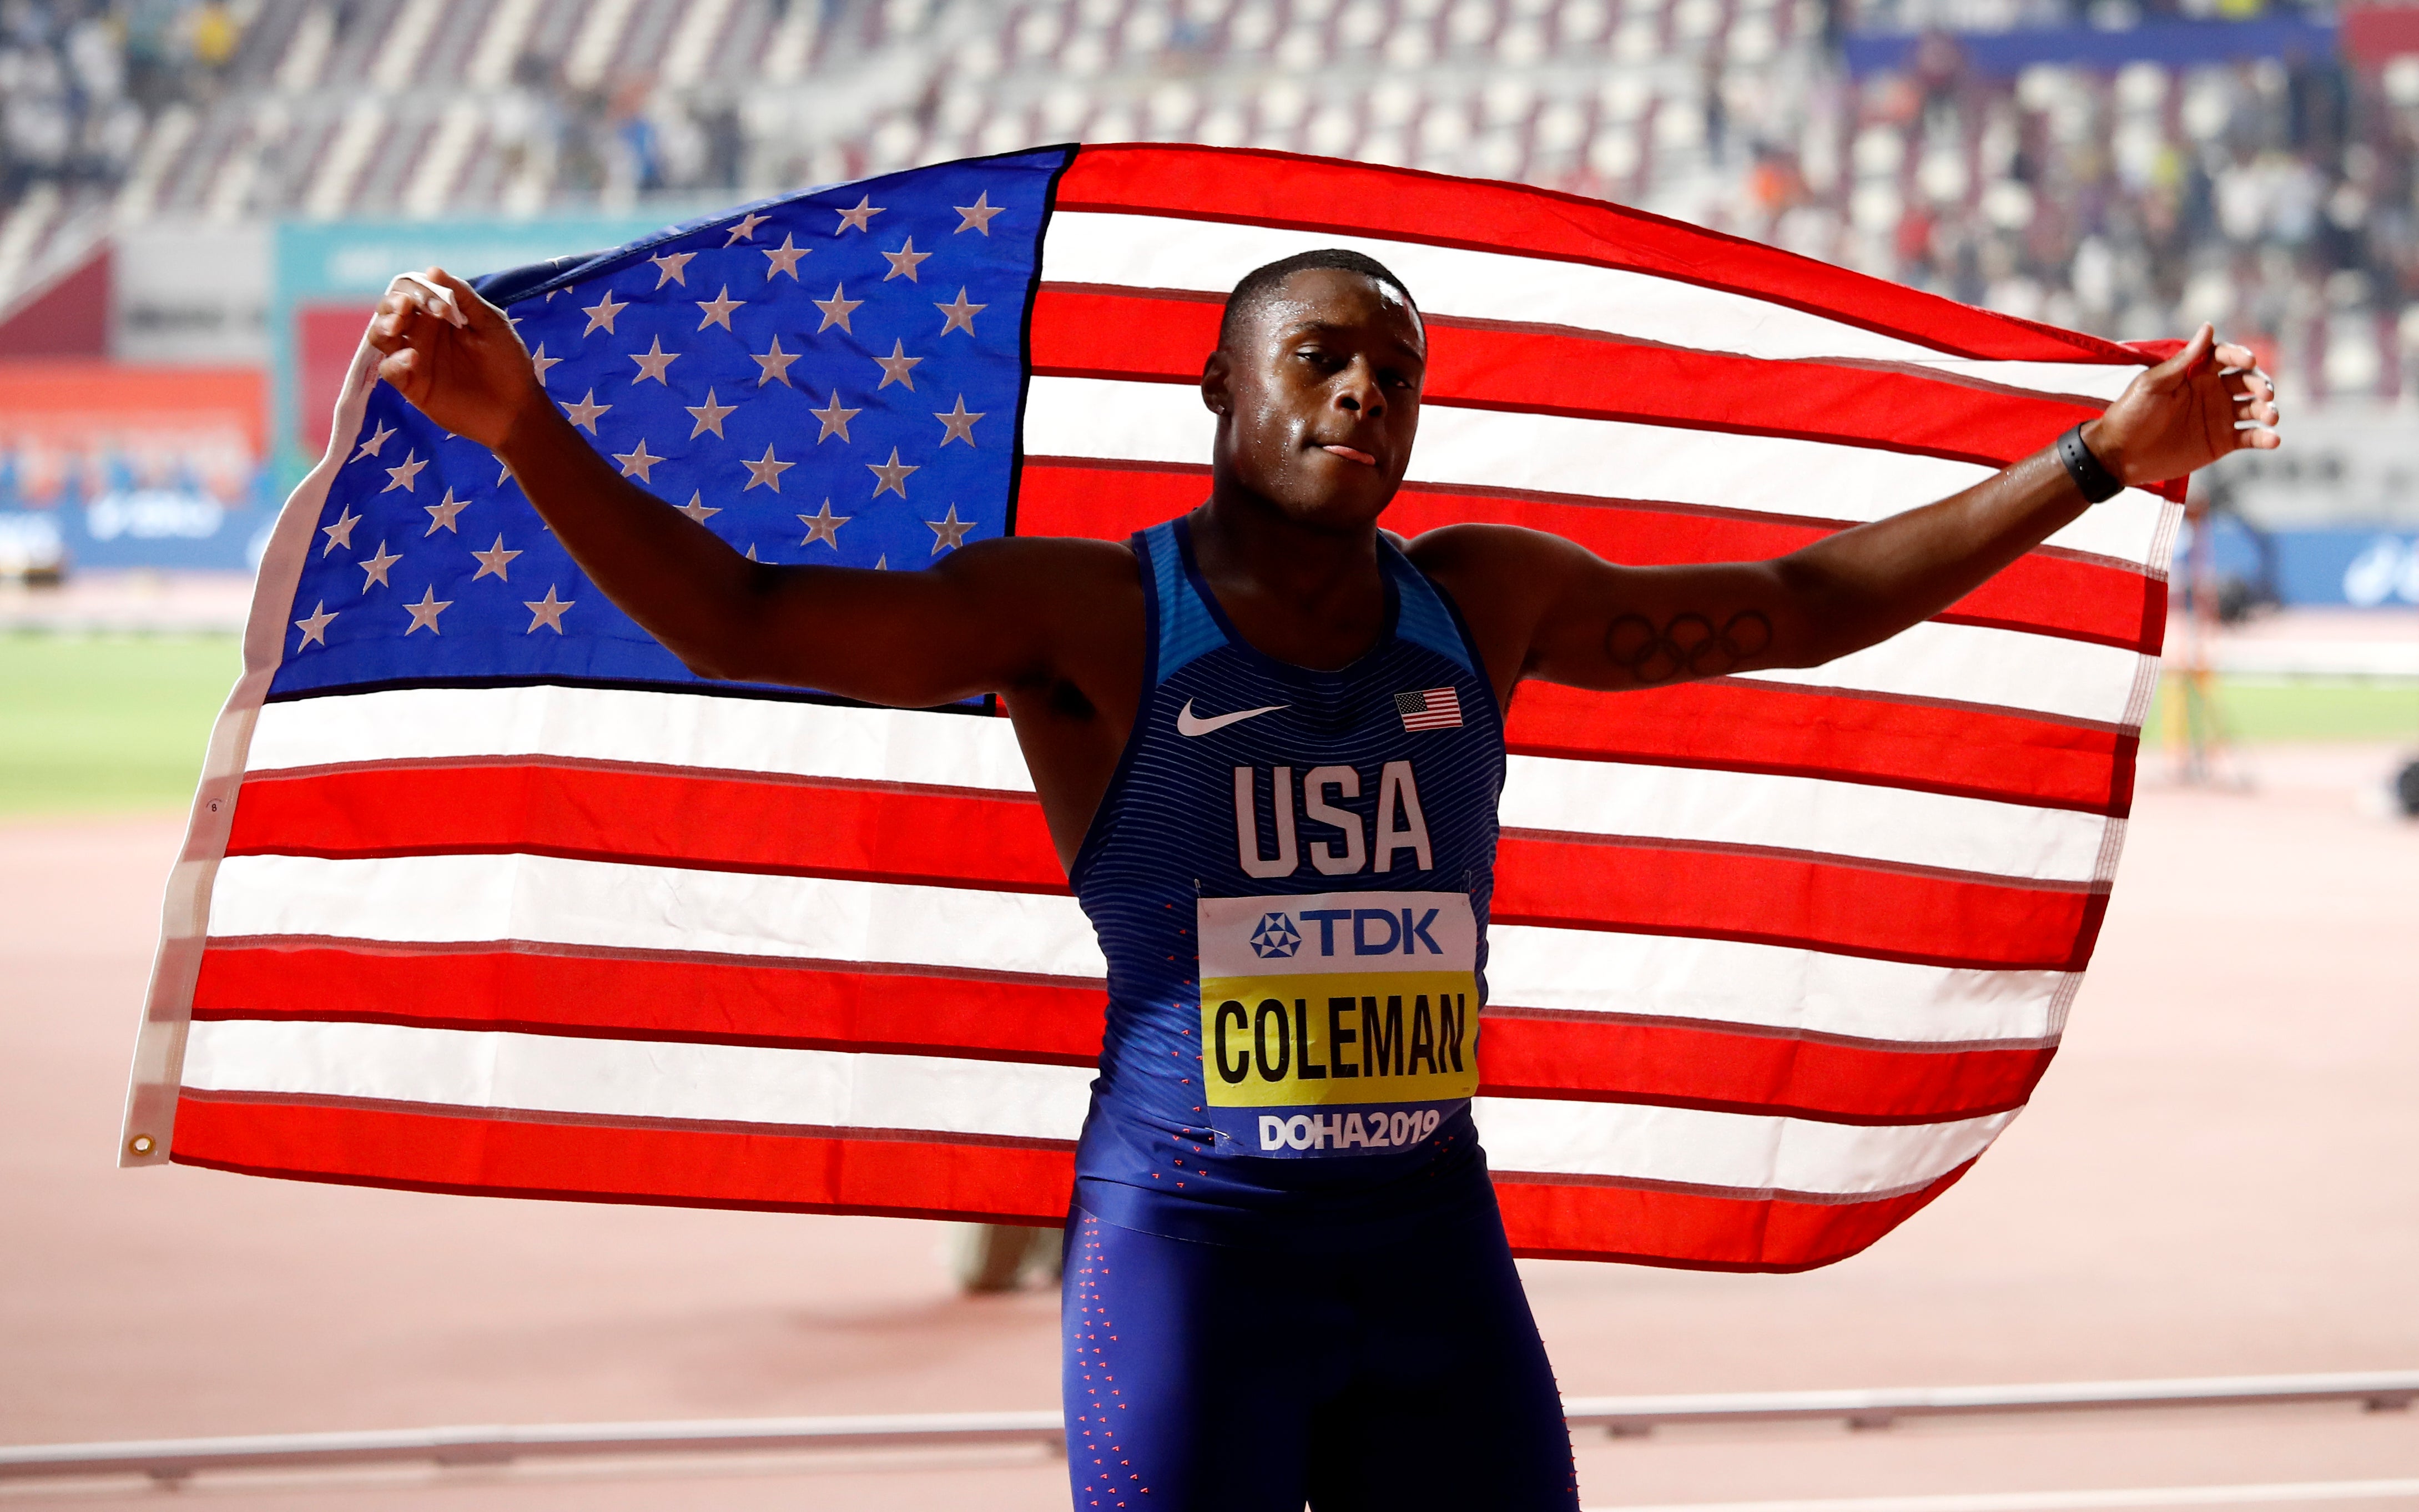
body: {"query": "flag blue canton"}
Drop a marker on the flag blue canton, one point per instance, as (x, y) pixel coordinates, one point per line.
(832, 377)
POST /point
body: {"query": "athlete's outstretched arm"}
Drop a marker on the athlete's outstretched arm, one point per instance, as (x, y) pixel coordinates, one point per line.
(1592, 624)
(984, 620)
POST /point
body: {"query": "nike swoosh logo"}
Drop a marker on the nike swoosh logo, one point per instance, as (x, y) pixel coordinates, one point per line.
(1188, 723)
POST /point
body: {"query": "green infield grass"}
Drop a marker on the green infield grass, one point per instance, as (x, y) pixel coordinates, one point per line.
(2256, 709)
(97, 724)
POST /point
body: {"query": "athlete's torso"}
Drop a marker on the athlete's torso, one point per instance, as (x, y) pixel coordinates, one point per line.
(1290, 875)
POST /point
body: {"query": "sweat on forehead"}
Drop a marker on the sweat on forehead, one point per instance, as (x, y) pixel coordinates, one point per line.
(1260, 282)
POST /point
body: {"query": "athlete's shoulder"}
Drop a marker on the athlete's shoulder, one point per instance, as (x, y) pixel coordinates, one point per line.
(1480, 562)
(1060, 570)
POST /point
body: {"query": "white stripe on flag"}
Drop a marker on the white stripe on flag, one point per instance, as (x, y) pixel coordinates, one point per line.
(548, 901)
(431, 899)
(1169, 252)
(641, 1079)
(1165, 422)
(1734, 1150)
(1852, 819)
(625, 1078)
(1778, 987)
(1803, 813)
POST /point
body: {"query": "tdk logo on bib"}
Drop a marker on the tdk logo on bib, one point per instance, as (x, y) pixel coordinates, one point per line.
(1276, 937)
(1341, 1023)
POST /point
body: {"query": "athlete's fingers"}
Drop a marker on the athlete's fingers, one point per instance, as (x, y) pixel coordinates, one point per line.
(406, 371)
(434, 297)
(2233, 354)
(2258, 411)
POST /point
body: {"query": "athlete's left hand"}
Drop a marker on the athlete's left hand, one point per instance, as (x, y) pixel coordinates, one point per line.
(2206, 400)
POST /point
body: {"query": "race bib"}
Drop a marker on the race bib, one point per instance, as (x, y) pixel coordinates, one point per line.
(1337, 1023)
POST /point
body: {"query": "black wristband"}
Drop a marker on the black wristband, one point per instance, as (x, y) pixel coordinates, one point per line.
(2097, 482)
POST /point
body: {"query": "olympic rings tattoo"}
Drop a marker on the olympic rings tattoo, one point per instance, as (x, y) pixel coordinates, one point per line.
(1687, 646)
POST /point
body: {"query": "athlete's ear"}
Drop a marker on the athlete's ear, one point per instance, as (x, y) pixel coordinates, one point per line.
(1215, 393)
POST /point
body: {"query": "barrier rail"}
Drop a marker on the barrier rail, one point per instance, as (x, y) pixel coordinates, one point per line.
(176, 1459)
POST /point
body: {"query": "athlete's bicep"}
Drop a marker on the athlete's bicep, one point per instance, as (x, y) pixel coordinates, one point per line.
(981, 621)
(1612, 627)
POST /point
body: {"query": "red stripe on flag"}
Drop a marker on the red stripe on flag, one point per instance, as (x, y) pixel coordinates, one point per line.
(938, 1178)
(1281, 189)
(693, 999)
(1549, 1218)
(1792, 899)
(1763, 727)
(954, 836)
(2045, 591)
(604, 1163)
(1523, 1052)
(1584, 882)
(1159, 336)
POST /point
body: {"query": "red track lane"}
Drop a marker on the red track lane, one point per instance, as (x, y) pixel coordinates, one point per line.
(996, 841)
(1552, 1220)
(1313, 194)
(2042, 592)
(694, 998)
(935, 1179)
(1161, 336)
(702, 999)
(1792, 900)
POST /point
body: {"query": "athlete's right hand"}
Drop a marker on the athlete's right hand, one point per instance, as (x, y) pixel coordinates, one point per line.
(455, 357)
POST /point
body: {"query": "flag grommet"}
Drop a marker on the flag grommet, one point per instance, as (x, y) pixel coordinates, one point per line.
(140, 1145)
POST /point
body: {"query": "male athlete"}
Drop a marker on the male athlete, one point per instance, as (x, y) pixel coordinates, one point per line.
(1286, 1280)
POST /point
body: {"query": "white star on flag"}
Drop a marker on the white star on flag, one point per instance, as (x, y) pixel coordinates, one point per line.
(709, 415)
(717, 309)
(374, 568)
(959, 421)
(903, 262)
(864, 211)
(547, 612)
(600, 317)
(340, 532)
(892, 475)
(897, 367)
(495, 559)
(440, 514)
(370, 447)
(314, 626)
(775, 364)
(745, 228)
(669, 267)
(425, 612)
(977, 215)
(584, 414)
(948, 534)
(785, 259)
(767, 470)
(835, 309)
(960, 314)
(834, 419)
(540, 361)
(696, 508)
(635, 462)
(823, 525)
(653, 361)
(402, 473)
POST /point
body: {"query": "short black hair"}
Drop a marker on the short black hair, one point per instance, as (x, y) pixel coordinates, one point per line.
(1261, 281)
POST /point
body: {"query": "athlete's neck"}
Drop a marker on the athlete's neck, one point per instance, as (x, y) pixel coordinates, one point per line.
(1311, 595)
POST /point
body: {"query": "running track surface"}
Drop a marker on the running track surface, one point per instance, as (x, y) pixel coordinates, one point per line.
(2214, 1178)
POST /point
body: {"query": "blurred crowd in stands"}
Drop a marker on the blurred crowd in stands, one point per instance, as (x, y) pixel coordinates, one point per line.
(2274, 197)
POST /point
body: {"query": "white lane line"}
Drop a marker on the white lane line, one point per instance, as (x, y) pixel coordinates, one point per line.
(2242, 1495)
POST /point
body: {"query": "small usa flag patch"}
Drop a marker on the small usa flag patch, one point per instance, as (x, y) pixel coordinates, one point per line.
(1435, 708)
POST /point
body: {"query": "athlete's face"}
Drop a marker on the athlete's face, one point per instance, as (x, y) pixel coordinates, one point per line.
(1319, 397)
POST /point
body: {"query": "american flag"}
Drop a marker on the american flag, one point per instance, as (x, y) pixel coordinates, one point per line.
(485, 894)
(1434, 708)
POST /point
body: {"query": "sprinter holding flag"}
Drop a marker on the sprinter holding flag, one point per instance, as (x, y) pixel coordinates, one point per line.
(1268, 741)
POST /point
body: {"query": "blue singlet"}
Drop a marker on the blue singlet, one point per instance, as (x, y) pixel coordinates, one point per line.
(1288, 1278)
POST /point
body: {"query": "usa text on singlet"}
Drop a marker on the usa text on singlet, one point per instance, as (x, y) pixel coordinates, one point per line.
(1290, 875)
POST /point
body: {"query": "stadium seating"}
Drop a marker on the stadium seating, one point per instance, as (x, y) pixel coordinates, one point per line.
(2131, 196)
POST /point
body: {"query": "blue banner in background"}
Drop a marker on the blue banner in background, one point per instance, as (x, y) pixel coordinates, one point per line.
(2318, 568)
